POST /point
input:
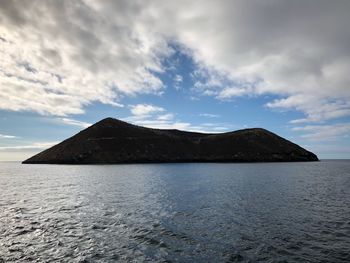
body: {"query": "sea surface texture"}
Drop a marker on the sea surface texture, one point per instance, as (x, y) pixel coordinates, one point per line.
(268, 212)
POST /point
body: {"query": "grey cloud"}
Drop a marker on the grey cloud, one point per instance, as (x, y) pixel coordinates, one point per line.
(104, 50)
(80, 54)
(14, 14)
(288, 48)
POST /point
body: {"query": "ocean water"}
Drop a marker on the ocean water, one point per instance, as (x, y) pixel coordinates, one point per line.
(267, 212)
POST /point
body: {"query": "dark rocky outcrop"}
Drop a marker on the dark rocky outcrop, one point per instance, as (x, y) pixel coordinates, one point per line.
(112, 141)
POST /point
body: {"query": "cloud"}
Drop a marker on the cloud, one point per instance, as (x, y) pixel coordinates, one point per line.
(152, 116)
(315, 108)
(166, 117)
(293, 49)
(144, 109)
(81, 124)
(178, 78)
(163, 124)
(330, 149)
(324, 132)
(180, 125)
(156, 117)
(177, 81)
(27, 147)
(60, 56)
(209, 115)
(227, 93)
(5, 136)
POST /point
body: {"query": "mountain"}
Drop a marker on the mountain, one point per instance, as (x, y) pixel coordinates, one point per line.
(111, 141)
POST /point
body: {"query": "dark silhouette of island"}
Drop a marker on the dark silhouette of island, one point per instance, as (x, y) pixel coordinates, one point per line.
(111, 141)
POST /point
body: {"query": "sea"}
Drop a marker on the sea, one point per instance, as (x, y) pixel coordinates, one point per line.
(261, 212)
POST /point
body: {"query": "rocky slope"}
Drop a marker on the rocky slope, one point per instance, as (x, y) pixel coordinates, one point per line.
(112, 141)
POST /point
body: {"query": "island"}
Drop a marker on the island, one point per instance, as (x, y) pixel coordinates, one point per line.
(112, 141)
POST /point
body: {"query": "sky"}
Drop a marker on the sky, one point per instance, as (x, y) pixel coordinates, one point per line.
(209, 66)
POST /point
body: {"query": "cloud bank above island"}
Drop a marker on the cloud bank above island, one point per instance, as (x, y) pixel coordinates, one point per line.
(59, 57)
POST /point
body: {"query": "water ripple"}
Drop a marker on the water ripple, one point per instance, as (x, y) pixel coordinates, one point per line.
(175, 213)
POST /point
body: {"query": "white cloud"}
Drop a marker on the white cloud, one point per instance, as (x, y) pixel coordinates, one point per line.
(177, 81)
(59, 56)
(33, 146)
(178, 78)
(184, 126)
(315, 109)
(324, 132)
(145, 109)
(149, 116)
(23, 152)
(330, 149)
(227, 93)
(166, 117)
(209, 115)
(81, 124)
(5, 136)
(163, 124)
(287, 48)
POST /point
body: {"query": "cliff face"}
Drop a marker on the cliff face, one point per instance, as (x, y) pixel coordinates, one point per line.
(111, 141)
